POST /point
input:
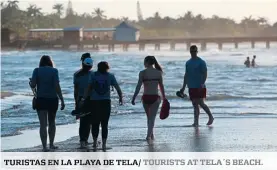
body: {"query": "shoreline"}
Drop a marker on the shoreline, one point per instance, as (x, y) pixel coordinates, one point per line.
(171, 135)
(6, 94)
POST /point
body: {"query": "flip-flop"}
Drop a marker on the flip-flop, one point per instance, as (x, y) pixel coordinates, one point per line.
(181, 95)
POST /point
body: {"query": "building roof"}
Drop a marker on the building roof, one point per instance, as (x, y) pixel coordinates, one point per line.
(46, 30)
(72, 28)
(98, 29)
(125, 25)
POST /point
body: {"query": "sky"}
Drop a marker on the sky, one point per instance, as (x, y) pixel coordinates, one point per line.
(235, 9)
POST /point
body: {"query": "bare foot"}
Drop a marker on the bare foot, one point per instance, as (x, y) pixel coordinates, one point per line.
(83, 145)
(45, 150)
(211, 120)
(104, 147)
(152, 137)
(53, 147)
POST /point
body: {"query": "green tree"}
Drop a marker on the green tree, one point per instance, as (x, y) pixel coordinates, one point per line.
(98, 14)
(59, 9)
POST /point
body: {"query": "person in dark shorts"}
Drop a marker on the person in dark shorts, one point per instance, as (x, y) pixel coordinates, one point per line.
(195, 77)
(46, 79)
(80, 81)
(99, 87)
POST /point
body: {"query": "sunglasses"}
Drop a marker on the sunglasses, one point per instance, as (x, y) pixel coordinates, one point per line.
(193, 51)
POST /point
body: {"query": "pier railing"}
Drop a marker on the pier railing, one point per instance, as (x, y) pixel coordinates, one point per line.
(203, 41)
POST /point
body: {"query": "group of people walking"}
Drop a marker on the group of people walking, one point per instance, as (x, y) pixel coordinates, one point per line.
(92, 95)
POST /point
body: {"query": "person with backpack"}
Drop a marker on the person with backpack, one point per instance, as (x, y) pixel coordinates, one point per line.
(100, 97)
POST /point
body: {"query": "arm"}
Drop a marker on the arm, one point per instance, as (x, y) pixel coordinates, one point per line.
(119, 92)
(117, 88)
(58, 88)
(87, 91)
(185, 80)
(75, 89)
(205, 72)
(89, 88)
(161, 84)
(76, 94)
(184, 83)
(59, 92)
(138, 86)
(33, 82)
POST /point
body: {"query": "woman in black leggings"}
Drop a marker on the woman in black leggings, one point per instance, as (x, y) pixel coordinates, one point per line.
(99, 88)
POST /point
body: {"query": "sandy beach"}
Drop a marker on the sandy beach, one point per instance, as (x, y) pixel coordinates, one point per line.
(226, 135)
(6, 94)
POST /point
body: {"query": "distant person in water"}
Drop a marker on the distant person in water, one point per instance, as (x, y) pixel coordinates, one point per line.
(152, 78)
(195, 77)
(99, 86)
(253, 62)
(247, 62)
(46, 79)
(80, 81)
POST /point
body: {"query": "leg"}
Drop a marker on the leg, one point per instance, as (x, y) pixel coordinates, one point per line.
(42, 115)
(52, 128)
(106, 106)
(147, 110)
(84, 130)
(207, 110)
(195, 104)
(153, 109)
(95, 122)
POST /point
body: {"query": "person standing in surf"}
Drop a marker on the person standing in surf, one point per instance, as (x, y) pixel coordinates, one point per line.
(80, 81)
(247, 62)
(253, 62)
(46, 79)
(195, 78)
(152, 78)
(99, 86)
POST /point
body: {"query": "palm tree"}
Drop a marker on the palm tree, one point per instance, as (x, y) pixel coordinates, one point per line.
(3, 5)
(13, 4)
(98, 14)
(262, 21)
(33, 11)
(59, 9)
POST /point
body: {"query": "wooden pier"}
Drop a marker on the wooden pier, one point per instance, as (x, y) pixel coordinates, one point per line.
(141, 43)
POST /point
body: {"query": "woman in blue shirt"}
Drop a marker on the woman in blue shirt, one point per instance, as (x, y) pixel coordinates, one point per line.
(99, 87)
(46, 79)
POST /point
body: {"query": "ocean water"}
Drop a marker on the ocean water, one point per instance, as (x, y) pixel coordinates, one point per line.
(233, 90)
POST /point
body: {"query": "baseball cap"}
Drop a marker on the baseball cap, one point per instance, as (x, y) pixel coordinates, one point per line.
(193, 48)
(88, 62)
(85, 55)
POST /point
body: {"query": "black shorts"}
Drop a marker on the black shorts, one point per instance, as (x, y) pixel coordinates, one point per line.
(49, 104)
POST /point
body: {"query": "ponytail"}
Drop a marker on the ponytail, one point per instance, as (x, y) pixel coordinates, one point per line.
(151, 60)
(157, 65)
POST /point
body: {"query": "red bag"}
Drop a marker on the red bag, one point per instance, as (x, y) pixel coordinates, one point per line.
(165, 109)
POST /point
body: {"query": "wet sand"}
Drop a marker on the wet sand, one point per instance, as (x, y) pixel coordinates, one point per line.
(127, 134)
(6, 94)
